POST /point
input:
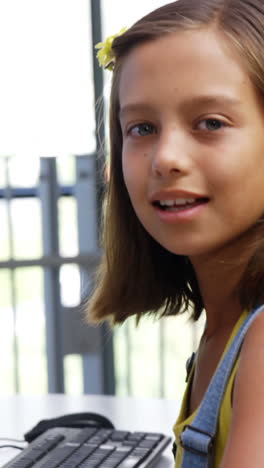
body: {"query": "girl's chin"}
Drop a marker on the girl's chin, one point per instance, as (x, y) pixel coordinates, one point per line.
(185, 252)
(190, 251)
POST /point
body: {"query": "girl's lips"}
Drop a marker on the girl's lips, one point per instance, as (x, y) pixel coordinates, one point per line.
(162, 195)
(178, 204)
(184, 212)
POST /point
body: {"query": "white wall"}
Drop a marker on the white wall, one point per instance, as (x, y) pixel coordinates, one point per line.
(45, 80)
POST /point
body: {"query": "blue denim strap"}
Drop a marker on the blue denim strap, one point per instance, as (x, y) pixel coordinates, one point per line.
(198, 438)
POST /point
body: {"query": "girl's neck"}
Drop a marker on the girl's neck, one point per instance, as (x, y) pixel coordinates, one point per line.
(218, 277)
(221, 300)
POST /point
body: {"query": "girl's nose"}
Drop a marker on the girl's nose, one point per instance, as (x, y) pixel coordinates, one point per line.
(170, 155)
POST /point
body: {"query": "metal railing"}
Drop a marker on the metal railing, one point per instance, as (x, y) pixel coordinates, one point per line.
(66, 332)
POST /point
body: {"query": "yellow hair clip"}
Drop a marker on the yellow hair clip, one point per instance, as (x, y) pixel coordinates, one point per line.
(105, 55)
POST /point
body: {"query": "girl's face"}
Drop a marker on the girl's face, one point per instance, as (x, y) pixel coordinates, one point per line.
(193, 141)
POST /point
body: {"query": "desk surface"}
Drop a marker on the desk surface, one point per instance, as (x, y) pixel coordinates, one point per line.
(21, 413)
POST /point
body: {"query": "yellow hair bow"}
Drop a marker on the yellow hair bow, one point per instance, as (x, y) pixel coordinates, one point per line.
(105, 55)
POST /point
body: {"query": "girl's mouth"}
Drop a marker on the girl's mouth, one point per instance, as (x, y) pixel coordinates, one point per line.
(180, 204)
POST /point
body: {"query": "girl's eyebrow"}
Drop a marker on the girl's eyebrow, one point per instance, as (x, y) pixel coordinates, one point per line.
(135, 107)
(190, 102)
(214, 99)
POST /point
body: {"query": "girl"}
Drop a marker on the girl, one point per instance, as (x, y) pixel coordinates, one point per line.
(184, 206)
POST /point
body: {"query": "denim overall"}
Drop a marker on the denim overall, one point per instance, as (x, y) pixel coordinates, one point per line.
(197, 439)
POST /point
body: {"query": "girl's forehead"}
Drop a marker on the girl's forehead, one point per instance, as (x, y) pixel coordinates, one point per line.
(193, 61)
(184, 44)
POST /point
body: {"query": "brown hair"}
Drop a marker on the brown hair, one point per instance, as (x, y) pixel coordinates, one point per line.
(136, 274)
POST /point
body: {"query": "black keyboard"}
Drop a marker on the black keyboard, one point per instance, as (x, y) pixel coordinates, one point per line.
(91, 448)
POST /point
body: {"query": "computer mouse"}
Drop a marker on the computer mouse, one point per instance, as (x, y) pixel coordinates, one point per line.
(75, 420)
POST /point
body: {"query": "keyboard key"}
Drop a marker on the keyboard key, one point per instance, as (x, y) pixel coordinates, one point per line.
(110, 464)
(59, 455)
(136, 435)
(47, 444)
(97, 457)
(130, 462)
(147, 444)
(140, 452)
(36, 454)
(156, 437)
(134, 438)
(119, 435)
(84, 435)
(23, 463)
(98, 439)
(130, 443)
(77, 457)
(106, 432)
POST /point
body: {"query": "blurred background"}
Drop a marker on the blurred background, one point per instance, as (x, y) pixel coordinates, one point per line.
(53, 97)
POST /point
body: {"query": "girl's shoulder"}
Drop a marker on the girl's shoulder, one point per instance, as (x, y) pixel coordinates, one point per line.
(251, 356)
(245, 444)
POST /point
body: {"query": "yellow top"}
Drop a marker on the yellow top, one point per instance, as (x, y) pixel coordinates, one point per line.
(225, 409)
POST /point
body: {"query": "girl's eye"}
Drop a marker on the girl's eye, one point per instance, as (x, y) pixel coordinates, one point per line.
(142, 130)
(211, 124)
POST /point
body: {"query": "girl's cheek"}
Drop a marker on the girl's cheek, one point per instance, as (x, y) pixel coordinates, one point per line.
(126, 172)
